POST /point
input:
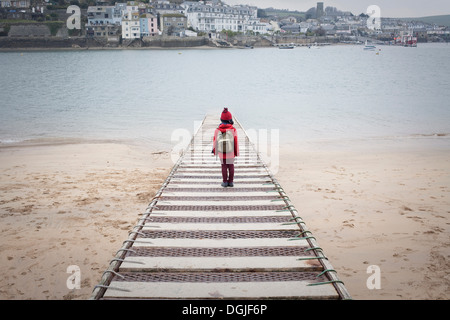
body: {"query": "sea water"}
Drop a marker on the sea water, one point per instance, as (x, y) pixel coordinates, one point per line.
(335, 93)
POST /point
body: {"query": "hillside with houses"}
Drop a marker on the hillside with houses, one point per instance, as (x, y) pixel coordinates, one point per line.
(106, 23)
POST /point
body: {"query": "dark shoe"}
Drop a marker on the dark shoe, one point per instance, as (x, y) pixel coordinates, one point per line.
(224, 184)
(230, 184)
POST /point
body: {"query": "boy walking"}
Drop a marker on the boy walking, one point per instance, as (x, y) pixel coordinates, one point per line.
(225, 145)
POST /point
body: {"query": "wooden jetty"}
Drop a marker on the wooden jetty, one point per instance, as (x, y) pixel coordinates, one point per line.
(198, 240)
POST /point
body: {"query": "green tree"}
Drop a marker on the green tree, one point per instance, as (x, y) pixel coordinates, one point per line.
(320, 32)
(262, 13)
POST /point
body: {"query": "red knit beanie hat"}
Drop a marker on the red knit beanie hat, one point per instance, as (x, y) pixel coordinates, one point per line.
(226, 115)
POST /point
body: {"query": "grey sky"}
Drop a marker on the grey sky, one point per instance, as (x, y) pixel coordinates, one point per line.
(389, 8)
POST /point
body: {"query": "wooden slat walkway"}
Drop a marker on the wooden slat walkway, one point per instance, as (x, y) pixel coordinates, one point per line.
(198, 240)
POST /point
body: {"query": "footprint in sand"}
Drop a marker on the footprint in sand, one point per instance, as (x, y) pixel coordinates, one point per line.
(434, 230)
(347, 223)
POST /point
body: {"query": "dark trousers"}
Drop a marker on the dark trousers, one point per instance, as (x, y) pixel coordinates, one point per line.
(227, 170)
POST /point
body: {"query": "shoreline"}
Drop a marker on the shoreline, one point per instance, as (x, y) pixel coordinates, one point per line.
(74, 203)
(202, 47)
(158, 146)
(32, 49)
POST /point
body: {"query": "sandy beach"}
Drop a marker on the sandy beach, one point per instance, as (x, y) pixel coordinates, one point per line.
(74, 204)
(382, 207)
(69, 204)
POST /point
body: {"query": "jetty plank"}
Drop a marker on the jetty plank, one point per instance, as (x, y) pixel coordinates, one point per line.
(219, 290)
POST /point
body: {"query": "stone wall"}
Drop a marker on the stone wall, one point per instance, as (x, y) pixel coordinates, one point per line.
(56, 36)
(29, 30)
(46, 43)
(255, 41)
(82, 42)
(303, 39)
(172, 42)
(267, 41)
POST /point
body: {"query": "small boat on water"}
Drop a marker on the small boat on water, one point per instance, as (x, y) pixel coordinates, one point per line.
(286, 46)
(406, 40)
(369, 46)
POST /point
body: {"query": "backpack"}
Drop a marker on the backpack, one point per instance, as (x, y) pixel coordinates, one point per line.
(225, 142)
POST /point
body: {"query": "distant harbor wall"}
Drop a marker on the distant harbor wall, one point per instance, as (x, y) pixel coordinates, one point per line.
(55, 35)
(82, 42)
(49, 42)
(46, 43)
(267, 41)
(254, 41)
(42, 36)
(302, 40)
(29, 30)
(173, 42)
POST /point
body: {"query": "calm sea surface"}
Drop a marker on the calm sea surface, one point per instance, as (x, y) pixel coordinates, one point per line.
(334, 93)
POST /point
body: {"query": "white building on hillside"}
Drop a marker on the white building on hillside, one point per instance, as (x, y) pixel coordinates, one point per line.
(105, 15)
(215, 18)
(131, 28)
(15, 3)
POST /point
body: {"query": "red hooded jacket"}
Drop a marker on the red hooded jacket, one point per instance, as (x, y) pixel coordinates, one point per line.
(221, 129)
